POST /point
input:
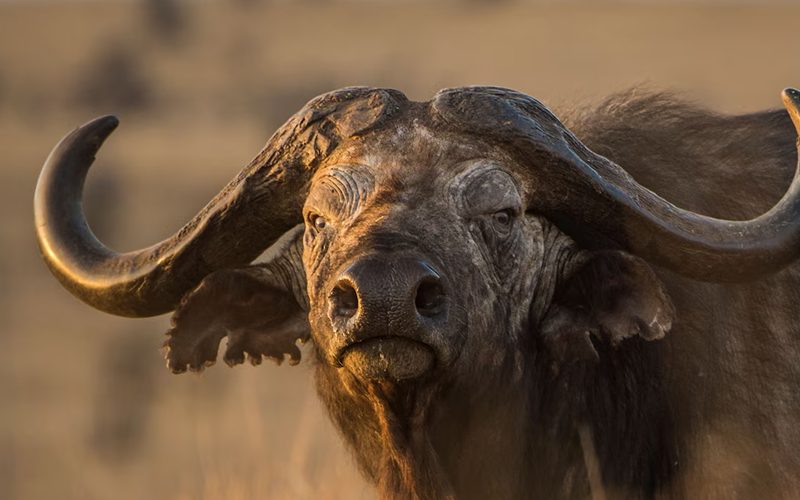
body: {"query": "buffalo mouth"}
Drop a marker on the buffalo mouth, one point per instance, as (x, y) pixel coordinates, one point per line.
(389, 358)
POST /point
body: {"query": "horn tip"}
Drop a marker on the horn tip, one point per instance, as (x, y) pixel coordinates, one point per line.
(103, 125)
(791, 100)
(791, 91)
(92, 134)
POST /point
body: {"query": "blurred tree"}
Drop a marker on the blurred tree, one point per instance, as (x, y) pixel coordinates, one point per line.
(2, 90)
(102, 202)
(165, 18)
(114, 81)
(488, 3)
(248, 3)
(125, 395)
(278, 103)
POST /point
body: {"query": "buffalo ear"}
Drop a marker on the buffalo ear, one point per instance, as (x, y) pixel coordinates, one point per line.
(259, 317)
(611, 297)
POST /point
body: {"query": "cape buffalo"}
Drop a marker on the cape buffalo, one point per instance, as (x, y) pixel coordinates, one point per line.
(497, 309)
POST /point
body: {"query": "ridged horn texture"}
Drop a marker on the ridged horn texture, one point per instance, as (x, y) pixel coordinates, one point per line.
(584, 192)
(243, 220)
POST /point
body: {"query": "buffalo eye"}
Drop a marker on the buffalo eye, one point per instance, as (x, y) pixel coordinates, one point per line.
(502, 218)
(318, 221)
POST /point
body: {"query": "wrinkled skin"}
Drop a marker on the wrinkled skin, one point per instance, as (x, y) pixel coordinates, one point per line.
(445, 214)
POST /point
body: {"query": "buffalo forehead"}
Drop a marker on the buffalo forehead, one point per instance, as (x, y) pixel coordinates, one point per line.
(413, 157)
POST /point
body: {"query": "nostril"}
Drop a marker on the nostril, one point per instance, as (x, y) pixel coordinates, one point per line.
(430, 298)
(344, 300)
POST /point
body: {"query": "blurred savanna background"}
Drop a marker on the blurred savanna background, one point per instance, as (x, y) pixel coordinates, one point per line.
(87, 409)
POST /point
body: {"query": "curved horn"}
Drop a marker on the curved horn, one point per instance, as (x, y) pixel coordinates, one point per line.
(703, 248)
(581, 190)
(253, 211)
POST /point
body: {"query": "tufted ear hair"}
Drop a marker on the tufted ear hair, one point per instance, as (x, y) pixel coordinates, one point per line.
(612, 296)
(262, 309)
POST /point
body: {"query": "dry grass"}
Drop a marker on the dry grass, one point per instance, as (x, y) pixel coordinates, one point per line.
(88, 411)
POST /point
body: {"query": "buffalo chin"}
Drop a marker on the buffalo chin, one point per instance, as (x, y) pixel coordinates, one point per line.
(389, 359)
